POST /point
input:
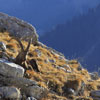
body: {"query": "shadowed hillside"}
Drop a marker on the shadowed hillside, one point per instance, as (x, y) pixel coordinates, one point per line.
(79, 38)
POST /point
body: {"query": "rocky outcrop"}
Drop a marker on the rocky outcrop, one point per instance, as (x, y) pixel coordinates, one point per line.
(17, 27)
(36, 91)
(27, 87)
(10, 93)
(95, 94)
(10, 69)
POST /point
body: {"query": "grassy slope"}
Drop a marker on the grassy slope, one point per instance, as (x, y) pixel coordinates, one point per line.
(49, 76)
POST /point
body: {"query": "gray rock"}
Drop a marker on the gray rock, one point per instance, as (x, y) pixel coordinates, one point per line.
(36, 92)
(74, 85)
(10, 69)
(31, 98)
(94, 98)
(2, 46)
(94, 75)
(68, 92)
(95, 93)
(61, 58)
(67, 66)
(71, 91)
(61, 68)
(18, 82)
(68, 70)
(17, 27)
(10, 93)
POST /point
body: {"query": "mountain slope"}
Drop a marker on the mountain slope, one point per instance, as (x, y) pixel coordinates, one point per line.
(63, 79)
(31, 70)
(78, 38)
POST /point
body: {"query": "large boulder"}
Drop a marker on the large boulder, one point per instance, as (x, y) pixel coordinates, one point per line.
(36, 91)
(95, 93)
(17, 27)
(28, 88)
(10, 69)
(9, 93)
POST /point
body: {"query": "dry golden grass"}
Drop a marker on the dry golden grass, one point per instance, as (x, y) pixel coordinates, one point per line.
(49, 76)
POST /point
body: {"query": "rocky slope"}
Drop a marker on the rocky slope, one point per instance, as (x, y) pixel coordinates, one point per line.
(44, 74)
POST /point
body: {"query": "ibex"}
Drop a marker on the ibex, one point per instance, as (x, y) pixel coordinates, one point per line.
(21, 57)
(22, 54)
